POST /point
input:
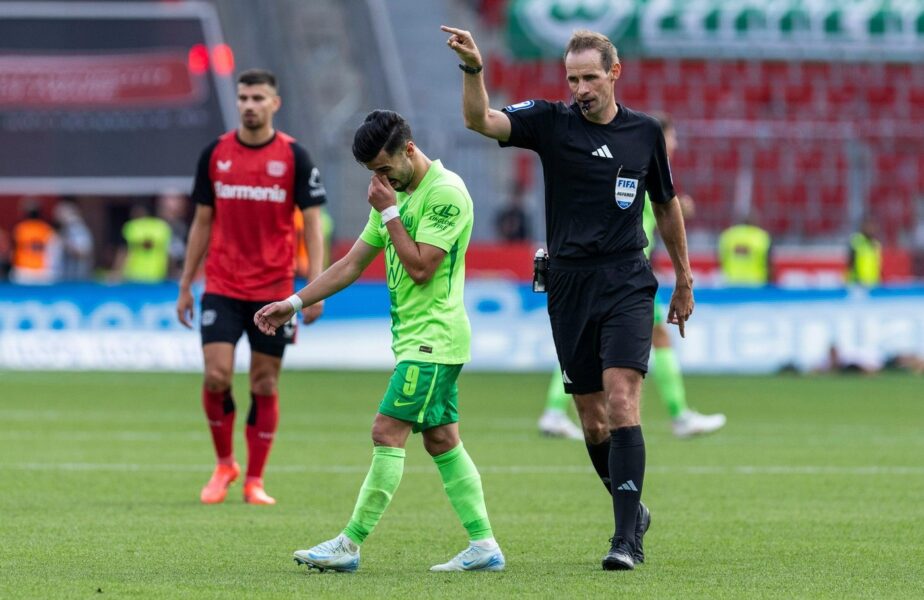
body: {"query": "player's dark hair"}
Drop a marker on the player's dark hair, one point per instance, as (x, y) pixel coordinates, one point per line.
(584, 39)
(382, 130)
(258, 77)
(664, 120)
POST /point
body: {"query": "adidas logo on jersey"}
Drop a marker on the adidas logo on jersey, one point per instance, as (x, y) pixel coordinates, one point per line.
(602, 152)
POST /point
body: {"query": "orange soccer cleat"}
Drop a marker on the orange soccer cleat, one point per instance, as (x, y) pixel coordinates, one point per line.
(255, 494)
(216, 489)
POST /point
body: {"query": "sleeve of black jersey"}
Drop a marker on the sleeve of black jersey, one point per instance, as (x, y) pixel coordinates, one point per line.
(530, 121)
(309, 191)
(203, 192)
(658, 182)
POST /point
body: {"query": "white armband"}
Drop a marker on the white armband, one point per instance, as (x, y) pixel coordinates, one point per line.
(389, 213)
(295, 301)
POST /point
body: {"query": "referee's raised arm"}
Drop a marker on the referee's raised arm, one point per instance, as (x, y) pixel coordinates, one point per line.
(478, 114)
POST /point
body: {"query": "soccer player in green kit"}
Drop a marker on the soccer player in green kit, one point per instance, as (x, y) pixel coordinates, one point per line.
(424, 229)
(665, 369)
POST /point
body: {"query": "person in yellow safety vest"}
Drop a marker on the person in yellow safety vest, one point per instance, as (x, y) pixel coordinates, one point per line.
(145, 257)
(35, 247)
(864, 255)
(744, 254)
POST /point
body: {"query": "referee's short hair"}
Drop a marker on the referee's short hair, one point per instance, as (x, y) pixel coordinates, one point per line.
(257, 77)
(584, 39)
(382, 130)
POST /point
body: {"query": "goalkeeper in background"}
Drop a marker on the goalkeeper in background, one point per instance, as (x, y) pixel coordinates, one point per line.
(665, 369)
(425, 230)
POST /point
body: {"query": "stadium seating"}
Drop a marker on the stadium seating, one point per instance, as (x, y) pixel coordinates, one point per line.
(798, 125)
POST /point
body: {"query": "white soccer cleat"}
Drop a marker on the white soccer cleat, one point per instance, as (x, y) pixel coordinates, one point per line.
(475, 558)
(691, 423)
(339, 554)
(554, 423)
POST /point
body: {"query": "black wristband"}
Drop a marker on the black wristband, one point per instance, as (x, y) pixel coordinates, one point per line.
(472, 70)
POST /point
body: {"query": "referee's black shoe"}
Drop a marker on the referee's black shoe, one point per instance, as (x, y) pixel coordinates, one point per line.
(642, 523)
(619, 558)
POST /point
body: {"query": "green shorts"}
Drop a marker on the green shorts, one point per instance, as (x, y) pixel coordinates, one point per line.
(658, 312)
(424, 394)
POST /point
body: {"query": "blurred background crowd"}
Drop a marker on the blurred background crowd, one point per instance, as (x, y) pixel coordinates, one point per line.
(802, 121)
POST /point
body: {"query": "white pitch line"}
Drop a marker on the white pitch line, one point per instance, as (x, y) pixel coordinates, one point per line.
(493, 470)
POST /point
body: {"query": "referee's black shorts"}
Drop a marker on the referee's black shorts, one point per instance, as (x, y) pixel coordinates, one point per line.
(602, 314)
(225, 319)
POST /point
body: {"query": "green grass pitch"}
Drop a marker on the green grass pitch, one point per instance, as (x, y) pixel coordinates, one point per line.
(815, 489)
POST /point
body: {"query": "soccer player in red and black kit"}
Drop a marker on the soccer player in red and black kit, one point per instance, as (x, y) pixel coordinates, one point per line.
(248, 183)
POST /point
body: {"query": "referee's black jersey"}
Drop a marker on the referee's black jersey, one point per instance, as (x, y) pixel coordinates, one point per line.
(595, 175)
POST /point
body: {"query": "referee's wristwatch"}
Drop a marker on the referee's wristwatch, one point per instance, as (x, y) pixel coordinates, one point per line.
(471, 70)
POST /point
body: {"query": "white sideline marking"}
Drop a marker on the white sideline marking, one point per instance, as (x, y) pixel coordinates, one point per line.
(499, 470)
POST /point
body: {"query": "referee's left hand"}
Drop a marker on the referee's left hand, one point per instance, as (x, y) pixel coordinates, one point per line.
(681, 307)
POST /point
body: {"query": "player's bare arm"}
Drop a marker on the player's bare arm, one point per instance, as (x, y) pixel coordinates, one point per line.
(419, 260)
(338, 276)
(476, 110)
(196, 246)
(670, 224)
(314, 242)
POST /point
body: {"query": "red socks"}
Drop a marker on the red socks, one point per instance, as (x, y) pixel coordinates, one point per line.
(219, 410)
(261, 429)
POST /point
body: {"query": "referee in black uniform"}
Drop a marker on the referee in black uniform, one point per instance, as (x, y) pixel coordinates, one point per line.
(599, 159)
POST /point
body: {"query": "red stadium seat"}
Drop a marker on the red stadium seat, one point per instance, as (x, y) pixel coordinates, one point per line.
(758, 92)
(684, 159)
(840, 98)
(809, 159)
(725, 158)
(714, 199)
(819, 73)
(777, 73)
(919, 172)
(797, 95)
(633, 95)
(767, 159)
(916, 101)
(880, 98)
(676, 96)
(799, 183)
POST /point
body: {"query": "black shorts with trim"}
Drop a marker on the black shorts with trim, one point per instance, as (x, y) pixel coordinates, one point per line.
(225, 319)
(602, 314)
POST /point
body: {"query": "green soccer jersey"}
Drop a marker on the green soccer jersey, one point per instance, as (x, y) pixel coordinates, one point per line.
(428, 321)
(648, 224)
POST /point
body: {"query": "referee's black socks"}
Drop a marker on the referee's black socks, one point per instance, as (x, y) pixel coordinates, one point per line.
(627, 472)
(600, 457)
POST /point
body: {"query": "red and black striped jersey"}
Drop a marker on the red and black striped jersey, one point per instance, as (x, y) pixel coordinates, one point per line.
(254, 191)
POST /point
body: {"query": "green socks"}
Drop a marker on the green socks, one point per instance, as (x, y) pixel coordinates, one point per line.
(463, 486)
(557, 399)
(460, 480)
(376, 493)
(669, 381)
